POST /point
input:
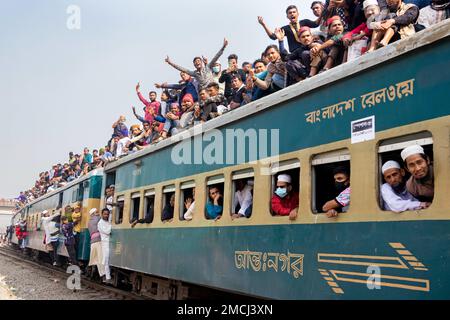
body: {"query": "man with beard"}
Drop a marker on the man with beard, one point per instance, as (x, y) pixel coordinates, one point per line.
(395, 196)
(421, 182)
(341, 177)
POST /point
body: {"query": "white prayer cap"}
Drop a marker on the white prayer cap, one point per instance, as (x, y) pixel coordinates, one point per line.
(409, 151)
(367, 3)
(92, 211)
(44, 212)
(390, 165)
(284, 178)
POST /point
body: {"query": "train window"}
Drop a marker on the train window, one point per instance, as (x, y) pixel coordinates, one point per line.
(119, 209)
(331, 182)
(168, 203)
(242, 193)
(149, 206)
(214, 202)
(135, 206)
(404, 188)
(288, 174)
(187, 196)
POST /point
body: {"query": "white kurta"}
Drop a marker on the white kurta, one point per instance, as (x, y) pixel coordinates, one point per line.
(104, 227)
(398, 202)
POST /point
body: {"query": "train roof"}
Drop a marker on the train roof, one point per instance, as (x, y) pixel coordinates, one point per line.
(396, 49)
(95, 172)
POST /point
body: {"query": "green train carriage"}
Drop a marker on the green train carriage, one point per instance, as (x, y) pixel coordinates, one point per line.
(402, 90)
(85, 190)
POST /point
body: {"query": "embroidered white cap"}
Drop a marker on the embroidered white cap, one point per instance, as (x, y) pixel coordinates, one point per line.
(409, 151)
(370, 3)
(284, 178)
(390, 165)
(92, 211)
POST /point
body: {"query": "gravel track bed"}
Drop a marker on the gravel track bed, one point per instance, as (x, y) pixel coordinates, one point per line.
(18, 280)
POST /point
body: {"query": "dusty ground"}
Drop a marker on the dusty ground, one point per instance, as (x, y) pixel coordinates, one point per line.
(19, 280)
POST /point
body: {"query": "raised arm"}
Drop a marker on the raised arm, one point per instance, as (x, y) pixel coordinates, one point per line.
(179, 68)
(269, 32)
(140, 96)
(219, 54)
(141, 119)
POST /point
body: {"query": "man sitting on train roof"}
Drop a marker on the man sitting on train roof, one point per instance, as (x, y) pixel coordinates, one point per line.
(285, 201)
(399, 27)
(342, 201)
(436, 12)
(421, 182)
(395, 196)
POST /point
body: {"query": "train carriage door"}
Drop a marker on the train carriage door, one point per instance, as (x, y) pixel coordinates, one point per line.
(187, 195)
(323, 183)
(289, 167)
(390, 149)
(135, 206)
(215, 187)
(242, 193)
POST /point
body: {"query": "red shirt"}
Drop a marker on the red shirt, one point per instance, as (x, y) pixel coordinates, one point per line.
(284, 206)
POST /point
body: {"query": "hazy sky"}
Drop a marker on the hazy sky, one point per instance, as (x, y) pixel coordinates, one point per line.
(61, 89)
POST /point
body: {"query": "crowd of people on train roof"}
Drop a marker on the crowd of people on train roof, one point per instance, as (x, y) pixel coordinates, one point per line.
(342, 31)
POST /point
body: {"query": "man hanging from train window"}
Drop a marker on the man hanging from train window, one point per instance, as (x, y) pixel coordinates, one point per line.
(285, 200)
(51, 228)
(342, 201)
(395, 196)
(243, 199)
(214, 206)
(167, 213)
(421, 182)
(104, 227)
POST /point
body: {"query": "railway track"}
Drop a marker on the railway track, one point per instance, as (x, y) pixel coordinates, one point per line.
(91, 289)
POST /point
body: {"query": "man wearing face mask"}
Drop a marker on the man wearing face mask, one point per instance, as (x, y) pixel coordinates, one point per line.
(285, 201)
(342, 201)
(395, 196)
(217, 73)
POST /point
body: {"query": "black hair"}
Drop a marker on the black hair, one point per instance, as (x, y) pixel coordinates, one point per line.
(259, 61)
(213, 85)
(236, 76)
(341, 169)
(146, 122)
(153, 92)
(291, 7)
(233, 56)
(196, 59)
(245, 63)
(105, 209)
(316, 2)
(272, 46)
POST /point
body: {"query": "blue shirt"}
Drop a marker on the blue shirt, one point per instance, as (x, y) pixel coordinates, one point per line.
(213, 211)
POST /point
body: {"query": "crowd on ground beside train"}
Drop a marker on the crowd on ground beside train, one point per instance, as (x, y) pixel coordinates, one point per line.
(342, 30)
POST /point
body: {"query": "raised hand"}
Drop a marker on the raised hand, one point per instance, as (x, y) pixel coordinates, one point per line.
(138, 86)
(205, 60)
(167, 59)
(261, 20)
(158, 86)
(280, 34)
(225, 42)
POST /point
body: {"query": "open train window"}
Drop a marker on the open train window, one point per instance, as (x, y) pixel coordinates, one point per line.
(290, 169)
(214, 197)
(119, 209)
(168, 203)
(149, 206)
(393, 194)
(324, 167)
(135, 206)
(242, 193)
(187, 196)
